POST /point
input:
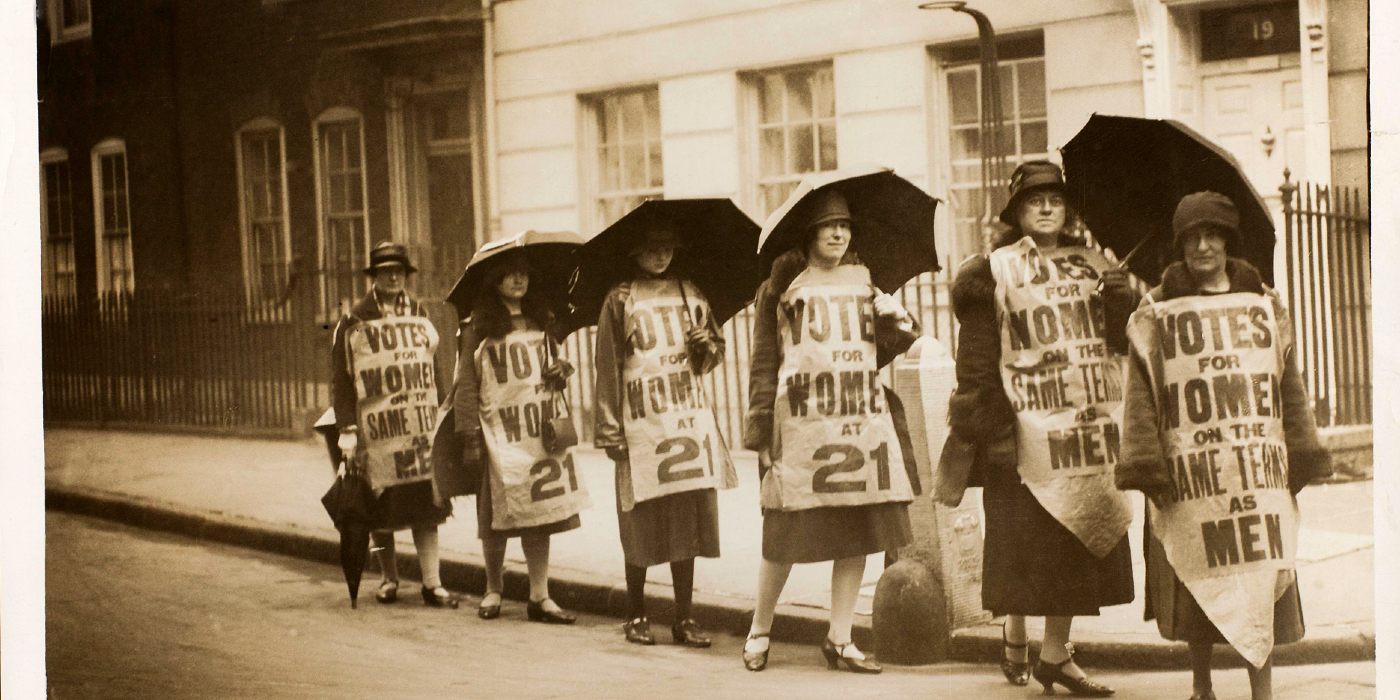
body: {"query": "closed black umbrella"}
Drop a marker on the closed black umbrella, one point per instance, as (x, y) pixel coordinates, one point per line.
(550, 254)
(351, 504)
(716, 253)
(891, 222)
(1125, 175)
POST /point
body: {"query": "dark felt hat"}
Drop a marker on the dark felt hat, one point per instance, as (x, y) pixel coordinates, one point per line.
(1030, 176)
(830, 205)
(1210, 208)
(656, 238)
(387, 253)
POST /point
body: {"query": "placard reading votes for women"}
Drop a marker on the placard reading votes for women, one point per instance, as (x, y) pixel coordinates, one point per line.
(835, 442)
(1065, 386)
(392, 359)
(1228, 523)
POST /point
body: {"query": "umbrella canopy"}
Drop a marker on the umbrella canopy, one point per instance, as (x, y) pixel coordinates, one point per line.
(891, 222)
(716, 252)
(351, 504)
(1125, 175)
(550, 253)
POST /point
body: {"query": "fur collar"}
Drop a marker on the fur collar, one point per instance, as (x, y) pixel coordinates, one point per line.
(1177, 280)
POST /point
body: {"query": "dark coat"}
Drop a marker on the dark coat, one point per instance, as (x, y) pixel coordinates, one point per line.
(1143, 465)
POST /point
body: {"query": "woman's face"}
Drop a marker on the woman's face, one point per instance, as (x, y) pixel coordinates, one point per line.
(1203, 247)
(389, 279)
(1042, 213)
(513, 285)
(830, 242)
(655, 259)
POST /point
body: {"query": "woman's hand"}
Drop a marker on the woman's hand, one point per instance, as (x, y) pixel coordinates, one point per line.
(765, 459)
(888, 306)
(347, 442)
(617, 453)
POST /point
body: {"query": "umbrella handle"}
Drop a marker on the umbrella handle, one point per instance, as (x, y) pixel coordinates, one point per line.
(689, 322)
(1123, 264)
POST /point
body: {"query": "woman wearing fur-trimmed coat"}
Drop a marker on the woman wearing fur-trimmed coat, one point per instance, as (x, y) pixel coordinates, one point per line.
(1205, 224)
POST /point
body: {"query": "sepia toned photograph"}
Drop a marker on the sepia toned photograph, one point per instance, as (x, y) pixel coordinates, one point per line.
(984, 348)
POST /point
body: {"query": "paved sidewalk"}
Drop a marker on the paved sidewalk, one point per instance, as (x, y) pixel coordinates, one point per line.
(265, 493)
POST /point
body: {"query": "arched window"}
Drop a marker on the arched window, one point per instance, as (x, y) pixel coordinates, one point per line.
(342, 212)
(112, 214)
(262, 210)
(60, 277)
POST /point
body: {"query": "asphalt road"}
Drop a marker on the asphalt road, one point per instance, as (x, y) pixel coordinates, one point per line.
(132, 613)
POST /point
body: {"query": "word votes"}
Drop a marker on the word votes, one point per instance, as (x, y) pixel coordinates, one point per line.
(1215, 330)
(650, 323)
(833, 318)
(395, 336)
(1036, 269)
(513, 359)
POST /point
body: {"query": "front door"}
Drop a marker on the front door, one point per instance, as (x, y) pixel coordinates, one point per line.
(1258, 117)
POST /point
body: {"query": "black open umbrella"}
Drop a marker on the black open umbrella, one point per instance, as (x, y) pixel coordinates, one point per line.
(550, 254)
(891, 221)
(1125, 175)
(716, 253)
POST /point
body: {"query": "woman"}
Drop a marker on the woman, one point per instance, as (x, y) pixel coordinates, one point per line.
(410, 505)
(1205, 280)
(829, 490)
(1036, 408)
(507, 388)
(658, 328)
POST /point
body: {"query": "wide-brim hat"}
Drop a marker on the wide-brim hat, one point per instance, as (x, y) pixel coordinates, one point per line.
(386, 253)
(1030, 176)
(663, 237)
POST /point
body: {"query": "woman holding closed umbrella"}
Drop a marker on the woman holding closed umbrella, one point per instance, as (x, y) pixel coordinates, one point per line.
(1251, 602)
(1036, 414)
(658, 330)
(507, 376)
(833, 486)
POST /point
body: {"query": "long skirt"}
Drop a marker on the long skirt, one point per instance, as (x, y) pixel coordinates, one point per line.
(483, 518)
(1033, 565)
(837, 532)
(1180, 618)
(671, 528)
(409, 505)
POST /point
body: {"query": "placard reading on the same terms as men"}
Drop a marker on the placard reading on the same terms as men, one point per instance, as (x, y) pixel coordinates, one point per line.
(396, 388)
(834, 440)
(1228, 524)
(1064, 385)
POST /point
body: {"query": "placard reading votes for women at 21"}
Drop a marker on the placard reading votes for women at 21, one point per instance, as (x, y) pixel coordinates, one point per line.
(1228, 523)
(392, 360)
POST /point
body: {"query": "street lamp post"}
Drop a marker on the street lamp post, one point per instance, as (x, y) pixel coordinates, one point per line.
(991, 134)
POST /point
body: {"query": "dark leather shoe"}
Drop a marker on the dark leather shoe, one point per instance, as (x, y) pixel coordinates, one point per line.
(688, 633)
(535, 612)
(756, 661)
(836, 657)
(1050, 674)
(1016, 672)
(489, 612)
(388, 592)
(439, 597)
(638, 631)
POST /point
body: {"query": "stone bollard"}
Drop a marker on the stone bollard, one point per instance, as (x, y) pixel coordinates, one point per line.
(934, 587)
